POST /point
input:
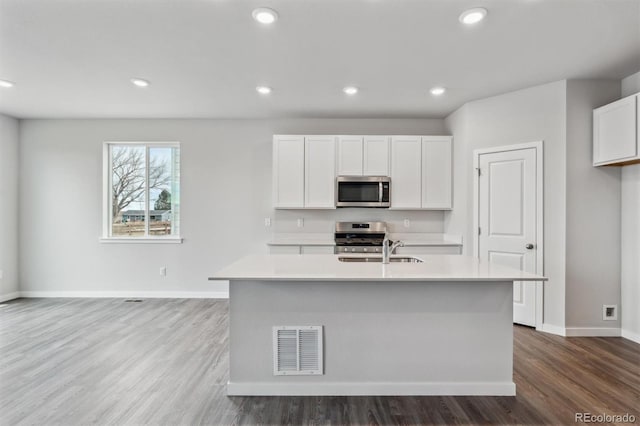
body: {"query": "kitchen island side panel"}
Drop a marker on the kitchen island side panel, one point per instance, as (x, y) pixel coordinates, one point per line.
(380, 338)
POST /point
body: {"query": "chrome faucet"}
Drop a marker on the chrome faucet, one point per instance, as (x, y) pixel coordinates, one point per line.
(388, 247)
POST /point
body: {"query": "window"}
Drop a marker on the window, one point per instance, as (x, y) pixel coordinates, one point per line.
(142, 191)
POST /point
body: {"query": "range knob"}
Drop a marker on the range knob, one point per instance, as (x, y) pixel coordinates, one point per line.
(365, 250)
(353, 250)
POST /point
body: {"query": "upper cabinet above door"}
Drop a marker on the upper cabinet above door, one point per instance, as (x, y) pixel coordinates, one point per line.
(615, 132)
(363, 156)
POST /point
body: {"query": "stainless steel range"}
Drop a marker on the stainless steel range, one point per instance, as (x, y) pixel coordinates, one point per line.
(359, 237)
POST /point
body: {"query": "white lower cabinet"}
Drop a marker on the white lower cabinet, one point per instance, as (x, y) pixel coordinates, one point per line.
(280, 249)
(418, 250)
(317, 249)
(284, 249)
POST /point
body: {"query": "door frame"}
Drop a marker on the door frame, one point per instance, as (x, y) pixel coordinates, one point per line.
(538, 146)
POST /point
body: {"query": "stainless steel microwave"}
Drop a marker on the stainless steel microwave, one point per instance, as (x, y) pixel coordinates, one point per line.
(363, 191)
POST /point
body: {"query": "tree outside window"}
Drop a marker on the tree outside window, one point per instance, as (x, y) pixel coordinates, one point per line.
(144, 189)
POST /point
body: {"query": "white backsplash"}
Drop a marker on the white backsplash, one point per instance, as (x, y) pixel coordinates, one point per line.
(323, 221)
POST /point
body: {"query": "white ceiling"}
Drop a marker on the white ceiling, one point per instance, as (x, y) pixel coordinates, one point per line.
(204, 58)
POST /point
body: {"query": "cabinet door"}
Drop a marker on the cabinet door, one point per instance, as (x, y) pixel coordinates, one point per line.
(284, 250)
(350, 156)
(376, 156)
(288, 172)
(614, 131)
(317, 249)
(417, 250)
(320, 172)
(406, 172)
(436, 172)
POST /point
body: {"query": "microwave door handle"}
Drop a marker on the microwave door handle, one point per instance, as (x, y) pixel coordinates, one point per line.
(380, 192)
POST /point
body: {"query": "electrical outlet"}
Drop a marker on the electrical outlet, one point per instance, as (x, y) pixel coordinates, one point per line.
(267, 222)
(300, 223)
(407, 223)
(609, 312)
(163, 271)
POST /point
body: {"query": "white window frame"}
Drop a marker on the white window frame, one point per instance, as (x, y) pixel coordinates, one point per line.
(106, 194)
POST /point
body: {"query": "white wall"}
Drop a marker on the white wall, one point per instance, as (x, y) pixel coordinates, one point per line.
(630, 267)
(225, 194)
(532, 114)
(593, 212)
(630, 85)
(9, 136)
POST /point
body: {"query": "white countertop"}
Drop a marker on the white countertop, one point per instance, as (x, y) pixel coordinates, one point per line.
(409, 239)
(327, 267)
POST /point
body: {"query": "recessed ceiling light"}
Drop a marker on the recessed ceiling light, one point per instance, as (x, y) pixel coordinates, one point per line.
(473, 16)
(350, 90)
(140, 82)
(263, 90)
(264, 15)
(5, 83)
(437, 91)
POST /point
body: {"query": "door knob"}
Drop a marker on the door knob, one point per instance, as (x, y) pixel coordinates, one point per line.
(529, 246)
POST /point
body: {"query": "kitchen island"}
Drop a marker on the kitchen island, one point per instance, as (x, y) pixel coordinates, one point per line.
(440, 327)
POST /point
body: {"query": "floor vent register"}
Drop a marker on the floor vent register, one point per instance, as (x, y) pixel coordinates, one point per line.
(297, 350)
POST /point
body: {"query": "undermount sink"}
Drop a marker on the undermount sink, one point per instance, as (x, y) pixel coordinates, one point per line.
(378, 259)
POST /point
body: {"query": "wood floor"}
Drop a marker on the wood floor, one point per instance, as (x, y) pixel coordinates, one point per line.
(164, 362)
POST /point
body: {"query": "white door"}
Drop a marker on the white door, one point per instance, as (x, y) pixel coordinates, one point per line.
(507, 218)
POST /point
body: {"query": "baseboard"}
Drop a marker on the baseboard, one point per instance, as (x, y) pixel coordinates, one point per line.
(634, 337)
(553, 329)
(592, 332)
(130, 294)
(371, 389)
(9, 296)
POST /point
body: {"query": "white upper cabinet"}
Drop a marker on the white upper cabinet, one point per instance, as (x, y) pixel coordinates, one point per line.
(319, 172)
(350, 156)
(363, 156)
(288, 171)
(305, 169)
(406, 172)
(421, 172)
(615, 134)
(436, 172)
(376, 156)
